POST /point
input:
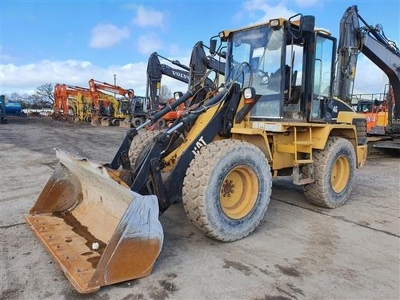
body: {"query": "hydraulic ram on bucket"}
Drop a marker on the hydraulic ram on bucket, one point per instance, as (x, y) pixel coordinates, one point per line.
(97, 229)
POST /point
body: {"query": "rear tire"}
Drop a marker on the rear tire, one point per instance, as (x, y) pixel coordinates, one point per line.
(137, 122)
(334, 171)
(115, 122)
(227, 189)
(161, 123)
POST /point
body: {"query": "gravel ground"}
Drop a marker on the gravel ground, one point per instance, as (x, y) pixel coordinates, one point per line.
(299, 251)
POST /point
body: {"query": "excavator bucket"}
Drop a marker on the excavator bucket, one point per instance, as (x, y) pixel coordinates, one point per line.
(97, 229)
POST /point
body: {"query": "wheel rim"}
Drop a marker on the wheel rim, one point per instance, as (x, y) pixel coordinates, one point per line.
(137, 122)
(340, 174)
(239, 192)
(161, 123)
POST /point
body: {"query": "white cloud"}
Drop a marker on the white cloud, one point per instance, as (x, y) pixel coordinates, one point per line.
(107, 35)
(74, 72)
(267, 11)
(25, 78)
(148, 17)
(308, 3)
(369, 78)
(148, 43)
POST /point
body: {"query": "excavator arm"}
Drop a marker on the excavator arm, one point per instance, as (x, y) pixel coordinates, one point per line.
(98, 90)
(60, 101)
(81, 102)
(356, 36)
(155, 70)
(200, 64)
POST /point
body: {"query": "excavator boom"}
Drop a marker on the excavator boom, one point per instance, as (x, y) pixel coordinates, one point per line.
(200, 65)
(116, 113)
(356, 36)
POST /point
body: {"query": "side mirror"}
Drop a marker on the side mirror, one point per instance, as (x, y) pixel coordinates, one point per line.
(213, 46)
(308, 24)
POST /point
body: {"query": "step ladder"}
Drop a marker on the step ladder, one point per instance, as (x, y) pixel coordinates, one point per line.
(306, 147)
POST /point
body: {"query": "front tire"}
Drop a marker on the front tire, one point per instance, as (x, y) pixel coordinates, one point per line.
(334, 172)
(227, 189)
(141, 145)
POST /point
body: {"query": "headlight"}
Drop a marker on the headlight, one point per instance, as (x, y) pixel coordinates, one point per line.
(248, 95)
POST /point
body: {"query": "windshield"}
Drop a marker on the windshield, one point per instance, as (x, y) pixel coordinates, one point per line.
(255, 60)
(125, 106)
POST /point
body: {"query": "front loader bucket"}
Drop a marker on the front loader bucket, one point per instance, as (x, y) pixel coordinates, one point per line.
(94, 226)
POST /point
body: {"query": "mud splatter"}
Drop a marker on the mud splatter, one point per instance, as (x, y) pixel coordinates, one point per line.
(289, 271)
(158, 294)
(168, 286)
(10, 294)
(286, 293)
(264, 271)
(270, 297)
(167, 289)
(237, 266)
(133, 297)
(295, 289)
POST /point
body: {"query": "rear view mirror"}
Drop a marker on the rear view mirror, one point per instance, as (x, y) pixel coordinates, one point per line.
(308, 24)
(213, 46)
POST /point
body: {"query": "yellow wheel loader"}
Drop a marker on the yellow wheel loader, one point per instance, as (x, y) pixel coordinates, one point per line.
(274, 115)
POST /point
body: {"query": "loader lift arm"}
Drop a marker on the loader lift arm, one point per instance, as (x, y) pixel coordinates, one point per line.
(200, 63)
(372, 42)
(168, 191)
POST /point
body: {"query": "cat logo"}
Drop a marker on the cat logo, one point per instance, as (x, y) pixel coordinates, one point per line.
(200, 143)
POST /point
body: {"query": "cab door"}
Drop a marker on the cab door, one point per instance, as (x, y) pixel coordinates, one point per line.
(323, 76)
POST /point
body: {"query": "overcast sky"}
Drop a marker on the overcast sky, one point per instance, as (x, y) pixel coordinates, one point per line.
(73, 41)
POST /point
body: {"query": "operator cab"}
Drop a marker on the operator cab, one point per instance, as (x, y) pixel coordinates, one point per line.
(290, 66)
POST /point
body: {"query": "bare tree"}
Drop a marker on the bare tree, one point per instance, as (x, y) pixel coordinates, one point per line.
(45, 93)
(35, 101)
(14, 97)
(165, 94)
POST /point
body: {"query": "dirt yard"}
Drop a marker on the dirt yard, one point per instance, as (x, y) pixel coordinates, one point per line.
(299, 251)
